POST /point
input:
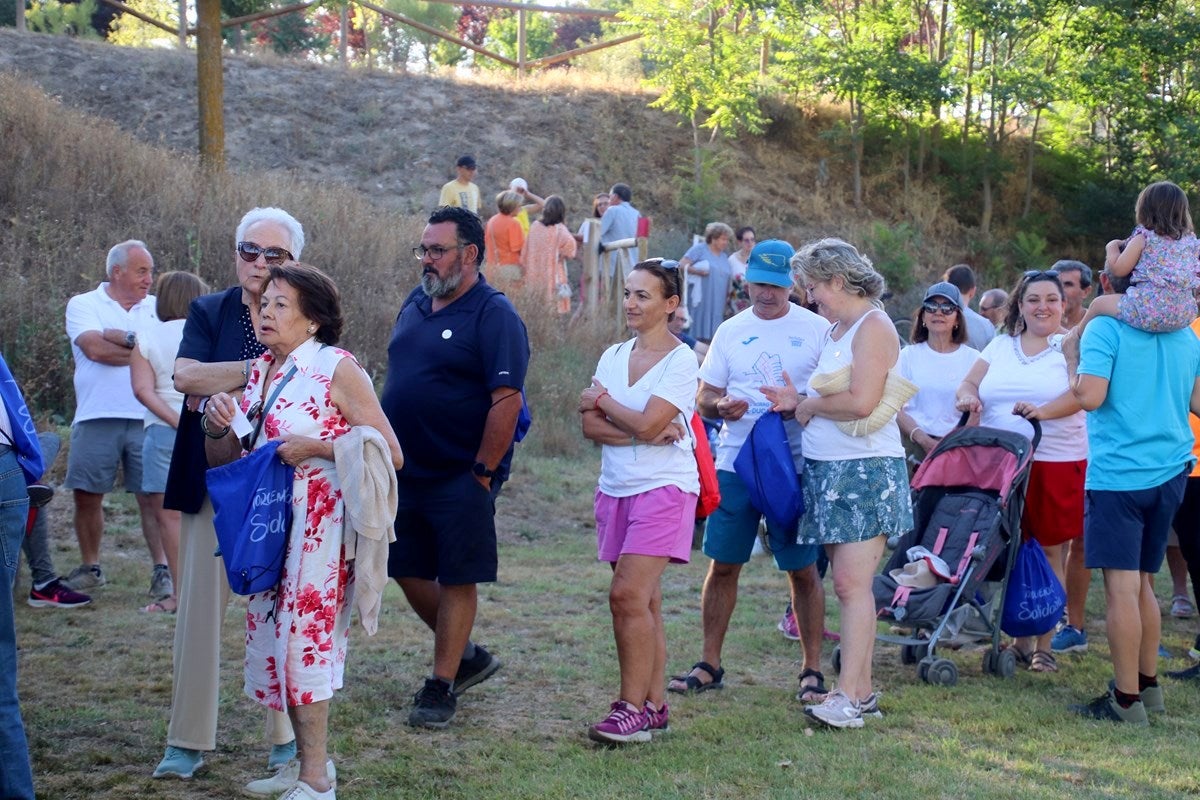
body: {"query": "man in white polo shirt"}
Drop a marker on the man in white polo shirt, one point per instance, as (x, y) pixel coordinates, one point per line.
(107, 430)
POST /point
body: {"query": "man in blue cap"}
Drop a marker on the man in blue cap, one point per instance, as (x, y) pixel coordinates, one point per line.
(753, 349)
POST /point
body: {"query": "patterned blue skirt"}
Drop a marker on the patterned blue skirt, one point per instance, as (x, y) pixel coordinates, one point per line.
(854, 500)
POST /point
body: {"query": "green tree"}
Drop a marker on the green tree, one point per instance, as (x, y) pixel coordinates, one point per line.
(502, 36)
(704, 58)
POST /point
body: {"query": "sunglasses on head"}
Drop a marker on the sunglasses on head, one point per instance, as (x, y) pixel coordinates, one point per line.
(249, 251)
(932, 307)
(665, 263)
(1037, 274)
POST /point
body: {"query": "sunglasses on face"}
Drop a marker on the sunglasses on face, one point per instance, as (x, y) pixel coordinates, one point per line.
(939, 308)
(1037, 274)
(249, 251)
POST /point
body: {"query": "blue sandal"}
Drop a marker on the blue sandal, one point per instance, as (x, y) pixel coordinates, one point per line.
(692, 684)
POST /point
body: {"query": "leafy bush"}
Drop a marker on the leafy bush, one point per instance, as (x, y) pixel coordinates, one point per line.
(893, 249)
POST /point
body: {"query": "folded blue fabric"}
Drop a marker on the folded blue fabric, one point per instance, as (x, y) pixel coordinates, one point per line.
(765, 465)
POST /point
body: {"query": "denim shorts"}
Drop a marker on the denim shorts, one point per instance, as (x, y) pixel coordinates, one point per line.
(1128, 530)
(156, 457)
(731, 530)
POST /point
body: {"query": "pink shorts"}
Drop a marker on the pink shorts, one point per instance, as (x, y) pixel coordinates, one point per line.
(654, 523)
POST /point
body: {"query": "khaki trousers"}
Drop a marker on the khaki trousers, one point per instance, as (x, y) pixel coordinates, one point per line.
(203, 593)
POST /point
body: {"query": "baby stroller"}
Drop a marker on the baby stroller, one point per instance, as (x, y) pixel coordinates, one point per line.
(940, 581)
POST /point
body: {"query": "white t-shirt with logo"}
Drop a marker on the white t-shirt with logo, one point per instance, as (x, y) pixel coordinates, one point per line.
(630, 470)
(103, 391)
(748, 352)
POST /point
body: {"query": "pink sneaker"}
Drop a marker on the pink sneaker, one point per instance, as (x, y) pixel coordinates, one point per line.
(624, 723)
(787, 625)
(657, 718)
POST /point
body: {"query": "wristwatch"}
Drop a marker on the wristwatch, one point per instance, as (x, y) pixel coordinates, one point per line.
(482, 471)
(130, 339)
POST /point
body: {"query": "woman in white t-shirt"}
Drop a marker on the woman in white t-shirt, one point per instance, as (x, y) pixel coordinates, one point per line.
(937, 361)
(638, 408)
(152, 373)
(1019, 377)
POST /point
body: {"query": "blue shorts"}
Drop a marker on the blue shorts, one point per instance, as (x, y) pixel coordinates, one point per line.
(1128, 530)
(156, 457)
(445, 531)
(731, 530)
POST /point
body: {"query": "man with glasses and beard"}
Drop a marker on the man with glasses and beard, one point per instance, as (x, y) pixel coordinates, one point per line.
(218, 344)
(456, 364)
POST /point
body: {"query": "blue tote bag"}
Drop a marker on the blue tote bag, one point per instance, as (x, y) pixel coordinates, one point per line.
(252, 501)
(1034, 599)
(765, 465)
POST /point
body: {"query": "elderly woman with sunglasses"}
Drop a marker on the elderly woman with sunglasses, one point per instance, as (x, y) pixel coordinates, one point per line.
(1020, 377)
(218, 345)
(309, 395)
(937, 360)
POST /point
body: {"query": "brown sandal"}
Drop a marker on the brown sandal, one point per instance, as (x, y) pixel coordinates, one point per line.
(1043, 661)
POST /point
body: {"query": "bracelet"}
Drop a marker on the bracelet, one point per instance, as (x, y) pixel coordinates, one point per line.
(912, 435)
(210, 434)
(245, 371)
(596, 405)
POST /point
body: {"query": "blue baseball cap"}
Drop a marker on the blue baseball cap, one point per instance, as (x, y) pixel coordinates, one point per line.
(770, 262)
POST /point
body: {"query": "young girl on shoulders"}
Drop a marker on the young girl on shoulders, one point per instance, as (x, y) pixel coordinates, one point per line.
(1163, 254)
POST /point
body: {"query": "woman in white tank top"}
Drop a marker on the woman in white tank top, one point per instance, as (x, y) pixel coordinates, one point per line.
(855, 487)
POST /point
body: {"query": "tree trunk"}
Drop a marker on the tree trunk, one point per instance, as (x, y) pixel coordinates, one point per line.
(985, 216)
(856, 146)
(1037, 118)
(183, 24)
(344, 35)
(20, 11)
(210, 84)
(908, 131)
(967, 102)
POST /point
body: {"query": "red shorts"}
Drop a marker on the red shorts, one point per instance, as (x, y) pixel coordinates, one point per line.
(1054, 502)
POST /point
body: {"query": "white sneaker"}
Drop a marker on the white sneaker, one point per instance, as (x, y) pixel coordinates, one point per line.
(838, 711)
(287, 777)
(302, 791)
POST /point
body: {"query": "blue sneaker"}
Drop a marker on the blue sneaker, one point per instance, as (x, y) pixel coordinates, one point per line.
(179, 762)
(1163, 652)
(281, 754)
(1069, 640)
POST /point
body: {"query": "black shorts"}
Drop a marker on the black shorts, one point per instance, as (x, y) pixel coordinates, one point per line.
(445, 531)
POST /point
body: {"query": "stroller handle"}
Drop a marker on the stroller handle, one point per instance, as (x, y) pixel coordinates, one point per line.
(1037, 427)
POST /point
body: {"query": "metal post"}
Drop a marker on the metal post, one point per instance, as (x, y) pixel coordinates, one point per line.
(20, 10)
(183, 26)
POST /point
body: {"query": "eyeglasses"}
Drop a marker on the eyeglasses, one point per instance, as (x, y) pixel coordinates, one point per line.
(1037, 274)
(249, 251)
(939, 308)
(435, 253)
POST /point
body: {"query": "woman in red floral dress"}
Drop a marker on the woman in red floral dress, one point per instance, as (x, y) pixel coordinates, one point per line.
(308, 394)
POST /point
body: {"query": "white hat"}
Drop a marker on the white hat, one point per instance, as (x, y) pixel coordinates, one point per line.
(518, 183)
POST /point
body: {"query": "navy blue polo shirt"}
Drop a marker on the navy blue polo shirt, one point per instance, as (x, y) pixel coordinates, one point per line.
(217, 329)
(442, 369)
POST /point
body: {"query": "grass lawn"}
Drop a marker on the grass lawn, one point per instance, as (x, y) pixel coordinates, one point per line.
(95, 685)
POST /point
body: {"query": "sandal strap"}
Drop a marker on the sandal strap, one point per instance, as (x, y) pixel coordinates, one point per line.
(716, 673)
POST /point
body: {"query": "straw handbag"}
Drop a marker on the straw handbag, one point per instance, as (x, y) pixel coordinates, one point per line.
(897, 391)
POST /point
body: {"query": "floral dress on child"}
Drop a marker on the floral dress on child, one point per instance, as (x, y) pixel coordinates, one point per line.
(1159, 298)
(296, 634)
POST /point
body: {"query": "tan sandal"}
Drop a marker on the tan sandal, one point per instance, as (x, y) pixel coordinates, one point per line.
(160, 607)
(1043, 661)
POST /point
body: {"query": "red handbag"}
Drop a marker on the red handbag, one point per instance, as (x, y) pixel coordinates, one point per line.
(710, 493)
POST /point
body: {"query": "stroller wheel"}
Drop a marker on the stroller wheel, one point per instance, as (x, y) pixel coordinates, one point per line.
(938, 671)
(912, 653)
(1006, 663)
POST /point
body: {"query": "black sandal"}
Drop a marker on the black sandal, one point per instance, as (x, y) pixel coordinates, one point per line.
(693, 685)
(813, 692)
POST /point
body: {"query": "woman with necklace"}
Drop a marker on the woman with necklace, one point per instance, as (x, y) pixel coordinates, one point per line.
(638, 408)
(855, 487)
(1020, 377)
(305, 393)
